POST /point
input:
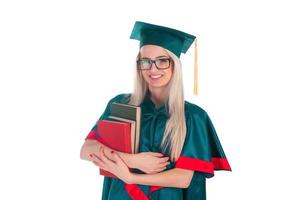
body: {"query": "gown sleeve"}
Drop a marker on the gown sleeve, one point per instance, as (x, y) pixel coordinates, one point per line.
(202, 150)
(93, 134)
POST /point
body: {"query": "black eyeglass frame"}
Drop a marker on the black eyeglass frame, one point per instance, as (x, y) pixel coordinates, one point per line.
(153, 61)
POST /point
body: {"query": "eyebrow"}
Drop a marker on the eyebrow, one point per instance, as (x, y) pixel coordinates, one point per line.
(156, 57)
(162, 57)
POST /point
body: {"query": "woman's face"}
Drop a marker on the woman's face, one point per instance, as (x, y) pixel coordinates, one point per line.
(156, 78)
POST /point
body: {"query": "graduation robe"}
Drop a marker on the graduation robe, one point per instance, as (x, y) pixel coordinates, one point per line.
(202, 152)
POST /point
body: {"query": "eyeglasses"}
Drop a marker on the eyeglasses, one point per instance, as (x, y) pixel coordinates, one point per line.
(160, 63)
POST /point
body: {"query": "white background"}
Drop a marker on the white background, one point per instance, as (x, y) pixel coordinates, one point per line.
(61, 61)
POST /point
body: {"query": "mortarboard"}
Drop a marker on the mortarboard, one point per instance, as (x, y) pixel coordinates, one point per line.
(174, 40)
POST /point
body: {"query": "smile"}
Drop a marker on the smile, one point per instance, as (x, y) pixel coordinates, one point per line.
(155, 76)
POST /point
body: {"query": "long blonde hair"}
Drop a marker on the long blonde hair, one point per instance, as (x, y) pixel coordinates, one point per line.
(175, 130)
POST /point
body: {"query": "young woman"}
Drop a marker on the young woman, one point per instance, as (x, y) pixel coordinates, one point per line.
(179, 147)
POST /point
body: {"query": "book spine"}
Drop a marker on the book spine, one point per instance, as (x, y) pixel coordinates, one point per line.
(106, 173)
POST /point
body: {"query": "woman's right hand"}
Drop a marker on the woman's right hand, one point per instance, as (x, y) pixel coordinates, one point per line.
(150, 162)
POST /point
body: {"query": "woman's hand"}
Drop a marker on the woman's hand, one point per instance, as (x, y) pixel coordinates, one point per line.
(149, 162)
(114, 165)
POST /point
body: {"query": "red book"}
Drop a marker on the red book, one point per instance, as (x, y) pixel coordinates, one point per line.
(116, 135)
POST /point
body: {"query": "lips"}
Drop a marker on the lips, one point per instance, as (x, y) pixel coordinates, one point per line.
(157, 76)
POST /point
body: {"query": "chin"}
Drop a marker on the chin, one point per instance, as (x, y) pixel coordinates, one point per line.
(157, 85)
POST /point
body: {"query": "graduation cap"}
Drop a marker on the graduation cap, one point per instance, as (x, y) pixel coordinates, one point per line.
(174, 40)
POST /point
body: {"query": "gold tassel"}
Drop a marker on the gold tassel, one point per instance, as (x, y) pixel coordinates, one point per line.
(196, 69)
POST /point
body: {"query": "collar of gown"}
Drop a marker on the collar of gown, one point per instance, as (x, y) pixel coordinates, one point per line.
(151, 107)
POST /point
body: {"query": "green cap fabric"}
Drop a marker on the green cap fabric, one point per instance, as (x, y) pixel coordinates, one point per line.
(174, 40)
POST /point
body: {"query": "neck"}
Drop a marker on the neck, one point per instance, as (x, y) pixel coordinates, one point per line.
(157, 95)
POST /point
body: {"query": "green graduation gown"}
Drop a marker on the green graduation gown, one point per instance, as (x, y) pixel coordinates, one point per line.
(202, 152)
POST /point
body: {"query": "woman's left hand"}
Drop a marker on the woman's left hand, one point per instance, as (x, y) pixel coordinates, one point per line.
(114, 165)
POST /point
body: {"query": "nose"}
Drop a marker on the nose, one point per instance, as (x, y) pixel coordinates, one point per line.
(153, 67)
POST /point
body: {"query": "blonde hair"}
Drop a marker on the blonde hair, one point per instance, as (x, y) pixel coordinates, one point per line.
(175, 130)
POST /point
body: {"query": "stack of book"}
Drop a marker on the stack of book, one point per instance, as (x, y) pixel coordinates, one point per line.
(121, 131)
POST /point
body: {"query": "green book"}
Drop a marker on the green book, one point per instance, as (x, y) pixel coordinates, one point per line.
(128, 113)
